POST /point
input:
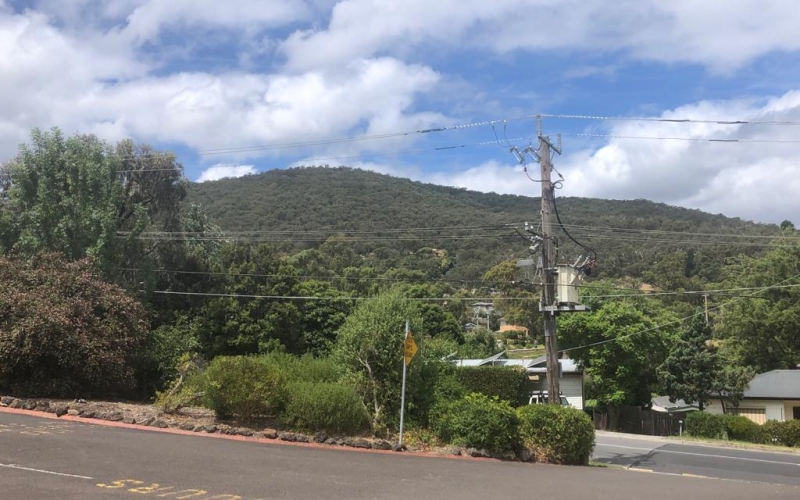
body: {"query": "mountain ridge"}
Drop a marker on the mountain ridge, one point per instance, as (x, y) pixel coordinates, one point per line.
(315, 200)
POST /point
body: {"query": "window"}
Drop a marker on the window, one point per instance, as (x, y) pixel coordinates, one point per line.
(796, 412)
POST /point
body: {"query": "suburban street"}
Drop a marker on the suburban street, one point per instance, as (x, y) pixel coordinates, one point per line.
(660, 455)
(45, 458)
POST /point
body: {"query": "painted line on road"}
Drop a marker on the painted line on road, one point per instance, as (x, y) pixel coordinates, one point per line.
(42, 471)
(707, 455)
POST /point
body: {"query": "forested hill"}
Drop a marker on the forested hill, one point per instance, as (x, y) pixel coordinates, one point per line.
(309, 204)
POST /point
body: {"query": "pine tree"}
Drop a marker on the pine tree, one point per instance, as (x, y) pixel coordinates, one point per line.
(689, 372)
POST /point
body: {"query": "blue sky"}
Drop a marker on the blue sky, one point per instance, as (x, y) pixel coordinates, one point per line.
(200, 75)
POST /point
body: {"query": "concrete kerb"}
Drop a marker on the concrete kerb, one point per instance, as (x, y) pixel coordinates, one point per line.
(253, 439)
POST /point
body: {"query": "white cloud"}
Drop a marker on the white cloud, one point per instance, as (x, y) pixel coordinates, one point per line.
(750, 180)
(720, 34)
(222, 171)
(234, 110)
(147, 20)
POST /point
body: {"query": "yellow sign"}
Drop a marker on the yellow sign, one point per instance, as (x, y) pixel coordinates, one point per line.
(410, 347)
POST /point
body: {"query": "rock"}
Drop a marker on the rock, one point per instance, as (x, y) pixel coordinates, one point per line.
(42, 405)
(270, 433)
(241, 431)
(113, 416)
(302, 438)
(506, 455)
(161, 424)
(331, 441)
(210, 429)
(60, 410)
(17, 403)
(87, 413)
(360, 443)
(148, 421)
(399, 447)
(186, 426)
(80, 401)
(320, 437)
(73, 412)
(128, 420)
(451, 450)
(224, 429)
(525, 455)
(172, 424)
(199, 428)
(6, 400)
(473, 452)
(287, 436)
(381, 444)
(29, 405)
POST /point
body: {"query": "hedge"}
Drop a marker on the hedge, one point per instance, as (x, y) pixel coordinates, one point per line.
(784, 433)
(244, 386)
(556, 434)
(476, 421)
(507, 383)
(742, 428)
(705, 425)
(332, 407)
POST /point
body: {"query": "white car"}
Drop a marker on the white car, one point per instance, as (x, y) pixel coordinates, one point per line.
(540, 397)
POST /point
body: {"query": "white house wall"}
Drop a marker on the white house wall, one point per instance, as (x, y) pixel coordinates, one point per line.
(788, 408)
(571, 386)
(775, 409)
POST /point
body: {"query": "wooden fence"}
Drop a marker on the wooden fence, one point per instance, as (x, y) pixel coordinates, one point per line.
(636, 420)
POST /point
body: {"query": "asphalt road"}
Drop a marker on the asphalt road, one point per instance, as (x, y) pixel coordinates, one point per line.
(42, 459)
(659, 455)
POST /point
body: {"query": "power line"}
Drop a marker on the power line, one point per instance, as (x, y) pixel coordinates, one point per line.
(334, 232)
(669, 120)
(690, 139)
(678, 321)
(325, 142)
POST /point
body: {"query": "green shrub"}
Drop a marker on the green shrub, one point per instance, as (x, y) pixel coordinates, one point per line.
(476, 421)
(556, 434)
(772, 432)
(783, 433)
(742, 428)
(306, 368)
(790, 435)
(328, 406)
(245, 386)
(705, 425)
(507, 383)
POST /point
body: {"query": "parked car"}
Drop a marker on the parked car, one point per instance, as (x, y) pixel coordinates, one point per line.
(540, 397)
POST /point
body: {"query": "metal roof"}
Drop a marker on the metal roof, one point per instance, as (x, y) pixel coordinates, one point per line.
(777, 384)
(536, 365)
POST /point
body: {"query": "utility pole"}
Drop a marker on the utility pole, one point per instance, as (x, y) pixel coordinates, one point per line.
(548, 304)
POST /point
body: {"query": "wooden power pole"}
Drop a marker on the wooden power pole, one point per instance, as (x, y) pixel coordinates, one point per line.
(548, 304)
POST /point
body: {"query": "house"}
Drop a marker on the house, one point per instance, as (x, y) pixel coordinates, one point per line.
(772, 395)
(571, 381)
(662, 404)
(522, 330)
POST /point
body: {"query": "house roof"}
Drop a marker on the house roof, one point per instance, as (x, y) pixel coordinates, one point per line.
(668, 406)
(536, 365)
(777, 384)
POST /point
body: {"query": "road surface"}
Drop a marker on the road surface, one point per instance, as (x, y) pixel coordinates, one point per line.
(660, 455)
(42, 459)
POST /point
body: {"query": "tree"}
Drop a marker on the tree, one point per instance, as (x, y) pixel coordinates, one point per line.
(731, 382)
(689, 371)
(760, 328)
(64, 332)
(370, 348)
(626, 341)
(80, 197)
